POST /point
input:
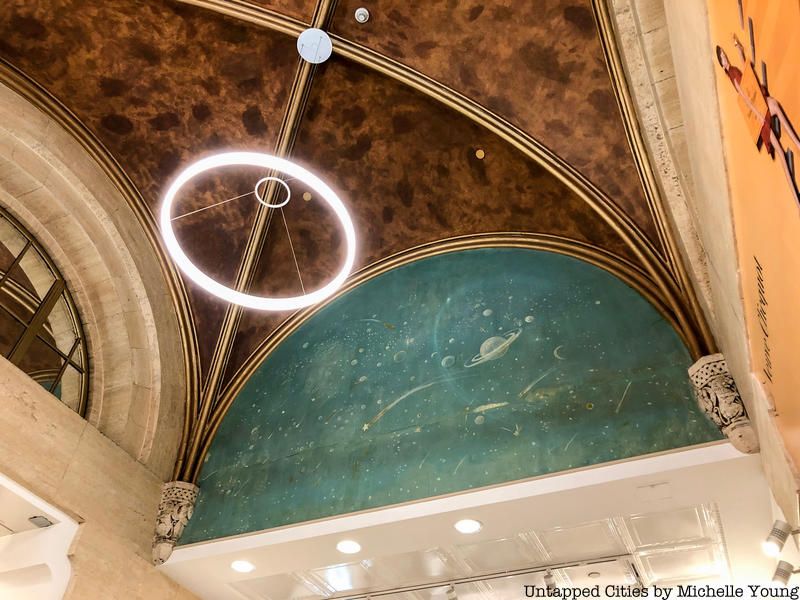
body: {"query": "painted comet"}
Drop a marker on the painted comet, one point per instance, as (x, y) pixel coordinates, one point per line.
(532, 384)
(485, 407)
(411, 392)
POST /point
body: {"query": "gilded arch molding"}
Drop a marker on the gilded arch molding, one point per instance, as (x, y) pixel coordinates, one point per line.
(653, 191)
(662, 279)
(662, 270)
(187, 465)
(666, 271)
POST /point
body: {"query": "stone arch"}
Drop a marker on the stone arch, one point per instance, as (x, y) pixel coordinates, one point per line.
(61, 195)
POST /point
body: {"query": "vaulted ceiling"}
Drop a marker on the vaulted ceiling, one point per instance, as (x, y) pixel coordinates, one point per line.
(393, 122)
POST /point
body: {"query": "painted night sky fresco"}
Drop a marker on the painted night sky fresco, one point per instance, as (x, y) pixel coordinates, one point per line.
(458, 371)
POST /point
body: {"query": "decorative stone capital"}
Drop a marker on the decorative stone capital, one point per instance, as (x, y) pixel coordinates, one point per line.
(174, 512)
(719, 398)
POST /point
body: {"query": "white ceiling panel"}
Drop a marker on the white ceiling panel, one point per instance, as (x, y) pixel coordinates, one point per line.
(347, 577)
(514, 587)
(509, 553)
(471, 591)
(276, 587)
(670, 527)
(413, 567)
(590, 540)
(683, 564)
(614, 572)
(437, 593)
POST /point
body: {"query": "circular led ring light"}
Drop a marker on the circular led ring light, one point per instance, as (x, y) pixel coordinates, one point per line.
(260, 198)
(266, 161)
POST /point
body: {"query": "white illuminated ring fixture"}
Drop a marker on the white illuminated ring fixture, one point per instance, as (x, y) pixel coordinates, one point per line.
(266, 161)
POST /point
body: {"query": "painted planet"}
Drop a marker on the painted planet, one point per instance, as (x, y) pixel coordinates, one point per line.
(488, 312)
(494, 347)
(448, 361)
(400, 356)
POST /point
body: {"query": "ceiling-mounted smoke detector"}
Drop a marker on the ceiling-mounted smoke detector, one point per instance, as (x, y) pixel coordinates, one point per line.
(40, 521)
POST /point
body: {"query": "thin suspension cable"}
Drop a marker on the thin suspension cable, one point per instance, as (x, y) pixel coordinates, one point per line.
(266, 231)
(210, 206)
(294, 256)
(219, 203)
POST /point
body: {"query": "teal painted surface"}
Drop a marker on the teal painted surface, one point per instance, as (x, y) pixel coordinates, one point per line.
(458, 371)
(56, 392)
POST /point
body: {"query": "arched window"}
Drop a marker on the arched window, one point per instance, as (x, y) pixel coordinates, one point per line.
(95, 231)
(40, 330)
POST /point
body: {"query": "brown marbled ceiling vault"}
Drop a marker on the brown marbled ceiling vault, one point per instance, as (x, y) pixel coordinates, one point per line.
(407, 167)
(537, 64)
(302, 10)
(161, 83)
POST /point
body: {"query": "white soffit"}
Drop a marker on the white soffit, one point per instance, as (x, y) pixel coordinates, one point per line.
(706, 507)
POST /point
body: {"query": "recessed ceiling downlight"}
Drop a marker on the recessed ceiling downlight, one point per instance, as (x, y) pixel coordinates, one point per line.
(243, 566)
(269, 163)
(468, 526)
(348, 547)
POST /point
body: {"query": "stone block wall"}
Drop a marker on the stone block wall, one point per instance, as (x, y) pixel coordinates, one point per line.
(63, 459)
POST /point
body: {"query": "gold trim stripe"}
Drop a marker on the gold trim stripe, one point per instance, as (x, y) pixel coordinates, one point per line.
(650, 183)
(660, 281)
(630, 121)
(254, 14)
(616, 218)
(292, 118)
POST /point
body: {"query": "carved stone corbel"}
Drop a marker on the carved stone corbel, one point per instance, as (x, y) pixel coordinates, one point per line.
(174, 512)
(719, 398)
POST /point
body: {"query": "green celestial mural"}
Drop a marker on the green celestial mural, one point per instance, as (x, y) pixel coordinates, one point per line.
(457, 371)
